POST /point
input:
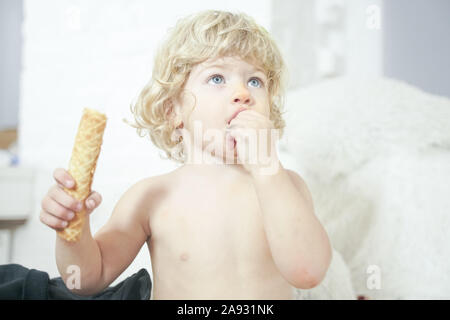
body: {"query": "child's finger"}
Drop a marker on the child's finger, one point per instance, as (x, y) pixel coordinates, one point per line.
(63, 178)
(55, 209)
(93, 200)
(52, 221)
(62, 198)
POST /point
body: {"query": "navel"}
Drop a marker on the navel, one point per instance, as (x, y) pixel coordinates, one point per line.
(184, 256)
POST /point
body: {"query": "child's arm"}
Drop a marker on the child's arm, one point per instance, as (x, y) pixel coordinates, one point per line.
(102, 258)
(299, 244)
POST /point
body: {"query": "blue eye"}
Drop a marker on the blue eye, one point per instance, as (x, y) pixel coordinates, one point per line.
(216, 76)
(216, 80)
(259, 81)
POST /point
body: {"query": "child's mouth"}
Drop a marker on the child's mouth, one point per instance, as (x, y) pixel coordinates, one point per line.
(231, 142)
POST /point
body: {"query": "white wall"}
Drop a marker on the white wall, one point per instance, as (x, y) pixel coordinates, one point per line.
(363, 46)
(10, 56)
(324, 39)
(416, 45)
(94, 54)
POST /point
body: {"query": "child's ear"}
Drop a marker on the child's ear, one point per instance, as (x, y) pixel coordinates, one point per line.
(173, 113)
(178, 118)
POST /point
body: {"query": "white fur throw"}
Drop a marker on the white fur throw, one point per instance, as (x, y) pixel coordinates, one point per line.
(375, 154)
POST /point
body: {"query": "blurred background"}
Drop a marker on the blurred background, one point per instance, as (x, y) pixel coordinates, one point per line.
(59, 56)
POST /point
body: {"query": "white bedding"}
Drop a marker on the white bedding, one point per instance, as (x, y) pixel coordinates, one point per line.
(375, 154)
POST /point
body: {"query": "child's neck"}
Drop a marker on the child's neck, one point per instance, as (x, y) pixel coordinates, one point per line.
(216, 170)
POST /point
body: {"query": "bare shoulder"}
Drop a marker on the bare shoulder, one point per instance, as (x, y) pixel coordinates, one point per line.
(151, 189)
(296, 178)
(149, 184)
(143, 198)
(155, 183)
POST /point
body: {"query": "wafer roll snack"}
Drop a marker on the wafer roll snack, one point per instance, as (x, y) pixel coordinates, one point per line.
(82, 166)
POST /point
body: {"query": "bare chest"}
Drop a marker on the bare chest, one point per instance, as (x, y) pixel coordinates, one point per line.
(210, 243)
(209, 226)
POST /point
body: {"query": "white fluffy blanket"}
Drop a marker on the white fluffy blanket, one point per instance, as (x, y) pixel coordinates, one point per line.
(375, 154)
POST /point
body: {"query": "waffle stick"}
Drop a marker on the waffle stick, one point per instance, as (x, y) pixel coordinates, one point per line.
(82, 166)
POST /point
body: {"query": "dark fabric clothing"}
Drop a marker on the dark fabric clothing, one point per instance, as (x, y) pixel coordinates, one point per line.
(19, 282)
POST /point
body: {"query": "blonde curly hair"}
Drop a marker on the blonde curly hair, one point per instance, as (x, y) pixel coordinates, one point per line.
(196, 38)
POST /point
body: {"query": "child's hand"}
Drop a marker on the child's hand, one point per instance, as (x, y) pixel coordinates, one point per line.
(251, 131)
(58, 207)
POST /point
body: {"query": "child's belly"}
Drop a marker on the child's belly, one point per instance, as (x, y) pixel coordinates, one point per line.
(214, 253)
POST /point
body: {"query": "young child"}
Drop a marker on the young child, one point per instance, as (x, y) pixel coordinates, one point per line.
(223, 225)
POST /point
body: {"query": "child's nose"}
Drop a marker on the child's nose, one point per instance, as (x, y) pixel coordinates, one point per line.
(242, 100)
(242, 96)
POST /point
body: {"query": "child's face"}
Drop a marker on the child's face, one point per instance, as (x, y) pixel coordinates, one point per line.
(221, 87)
